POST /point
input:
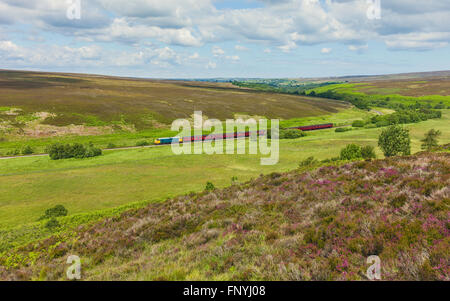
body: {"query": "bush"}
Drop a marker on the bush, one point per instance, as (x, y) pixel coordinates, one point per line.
(59, 151)
(58, 210)
(14, 152)
(142, 143)
(308, 162)
(291, 134)
(368, 152)
(209, 186)
(28, 150)
(395, 140)
(358, 123)
(344, 129)
(92, 151)
(52, 224)
(351, 152)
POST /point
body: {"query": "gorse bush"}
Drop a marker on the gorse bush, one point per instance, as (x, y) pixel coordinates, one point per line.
(60, 151)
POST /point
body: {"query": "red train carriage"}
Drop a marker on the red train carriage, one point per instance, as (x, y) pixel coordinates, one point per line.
(313, 127)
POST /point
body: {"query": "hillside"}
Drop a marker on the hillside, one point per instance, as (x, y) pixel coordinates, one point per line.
(35, 104)
(317, 225)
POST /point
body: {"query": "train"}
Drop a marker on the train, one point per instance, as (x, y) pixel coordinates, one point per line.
(170, 140)
(312, 127)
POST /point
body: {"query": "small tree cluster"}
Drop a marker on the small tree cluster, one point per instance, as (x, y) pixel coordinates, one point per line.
(354, 151)
(59, 151)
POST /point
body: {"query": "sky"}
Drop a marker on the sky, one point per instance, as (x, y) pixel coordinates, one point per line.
(225, 38)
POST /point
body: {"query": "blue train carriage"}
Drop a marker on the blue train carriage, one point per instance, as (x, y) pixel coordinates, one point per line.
(168, 140)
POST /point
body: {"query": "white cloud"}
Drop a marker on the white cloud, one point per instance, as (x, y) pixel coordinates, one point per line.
(211, 65)
(217, 51)
(358, 48)
(240, 48)
(267, 50)
(419, 42)
(325, 50)
(233, 58)
(194, 56)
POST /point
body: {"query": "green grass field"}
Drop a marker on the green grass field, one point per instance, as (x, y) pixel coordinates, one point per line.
(29, 186)
(373, 91)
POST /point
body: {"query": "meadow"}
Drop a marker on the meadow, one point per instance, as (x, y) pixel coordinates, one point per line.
(29, 186)
(436, 91)
(316, 225)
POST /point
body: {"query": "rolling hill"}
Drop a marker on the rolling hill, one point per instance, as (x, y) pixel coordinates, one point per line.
(316, 225)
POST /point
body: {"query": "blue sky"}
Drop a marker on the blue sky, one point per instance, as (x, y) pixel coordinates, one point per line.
(223, 38)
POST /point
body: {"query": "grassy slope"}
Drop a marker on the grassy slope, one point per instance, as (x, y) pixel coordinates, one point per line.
(319, 225)
(121, 139)
(103, 100)
(371, 92)
(29, 186)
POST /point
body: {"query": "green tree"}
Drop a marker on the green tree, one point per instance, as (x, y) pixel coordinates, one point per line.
(351, 152)
(430, 139)
(395, 140)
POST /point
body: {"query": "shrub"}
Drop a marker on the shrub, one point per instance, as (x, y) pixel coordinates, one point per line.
(142, 143)
(308, 162)
(58, 210)
(209, 186)
(291, 134)
(92, 151)
(395, 140)
(358, 123)
(52, 224)
(368, 152)
(59, 151)
(14, 152)
(28, 150)
(344, 129)
(351, 152)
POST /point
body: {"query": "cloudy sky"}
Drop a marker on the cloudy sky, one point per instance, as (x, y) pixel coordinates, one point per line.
(225, 38)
